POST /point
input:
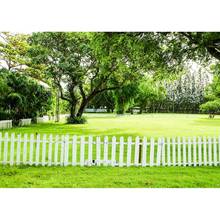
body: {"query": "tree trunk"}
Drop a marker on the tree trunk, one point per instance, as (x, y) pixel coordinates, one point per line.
(82, 108)
(57, 106)
(72, 110)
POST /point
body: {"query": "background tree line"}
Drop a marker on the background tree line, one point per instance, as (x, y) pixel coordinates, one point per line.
(119, 71)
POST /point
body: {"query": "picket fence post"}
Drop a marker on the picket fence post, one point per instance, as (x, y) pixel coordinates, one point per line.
(18, 149)
(163, 151)
(98, 151)
(62, 150)
(66, 151)
(158, 151)
(105, 151)
(215, 151)
(189, 152)
(152, 152)
(129, 141)
(82, 151)
(174, 151)
(136, 153)
(168, 152)
(50, 150)
(57, 138)
(144, 152)
(200, 151)
(44, 149)
(31, 149)
(184, 151)
(204, 151)
(90, 144)
(179, 151)
(113, 151)
(210, 150)
(74, 150)
(37, 150)
(121, 152)
(12, 139)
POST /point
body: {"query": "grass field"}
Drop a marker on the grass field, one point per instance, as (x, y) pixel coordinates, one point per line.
(150, 125)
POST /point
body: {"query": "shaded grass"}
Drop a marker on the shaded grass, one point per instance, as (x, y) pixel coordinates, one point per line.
(149, 125)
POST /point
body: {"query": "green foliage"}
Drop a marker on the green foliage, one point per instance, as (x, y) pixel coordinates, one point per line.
(23, 97)
(124, 97)
(149, 94)
(13, 51)
(211, 107)
(83, 65)
(76, 120)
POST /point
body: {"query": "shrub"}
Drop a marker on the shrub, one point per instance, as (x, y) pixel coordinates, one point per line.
(76, 120)
(211, 107)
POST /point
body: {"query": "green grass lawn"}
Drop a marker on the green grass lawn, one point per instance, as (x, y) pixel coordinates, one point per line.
(150, 125)
(93, 177)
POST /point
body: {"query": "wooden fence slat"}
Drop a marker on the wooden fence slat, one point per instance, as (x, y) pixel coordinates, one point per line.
(5, 159)
(74, 150)
(136, 153)
(25, 149)
(184, 151)
(90, 145)
(62, 150)
(12, 149)
(113, 151)
(179, 151)
(66, 151)
(105, 151)
(189, 152)
(82, 151)
(194, 152)
(18, 149)
(200, 151)
(37, 150)
(210, 150)
(98, 151)
(215, 151)
(144, 152)
(129, 141)
(152, 152)
(158, 151)
(121, 152)
(56, 150)
(163, 150)
(31, 149)
(174, 151)
(204, 151)
(168, 152)
(44, 149)
(50, 150)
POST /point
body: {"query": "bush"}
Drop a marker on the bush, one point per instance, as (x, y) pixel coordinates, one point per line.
(5, 115)
(76, 120)
(211, 107)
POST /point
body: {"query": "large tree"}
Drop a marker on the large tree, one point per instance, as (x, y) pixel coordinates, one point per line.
(83, 65)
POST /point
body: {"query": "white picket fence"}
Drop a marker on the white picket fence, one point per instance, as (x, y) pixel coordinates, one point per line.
(67, 150)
